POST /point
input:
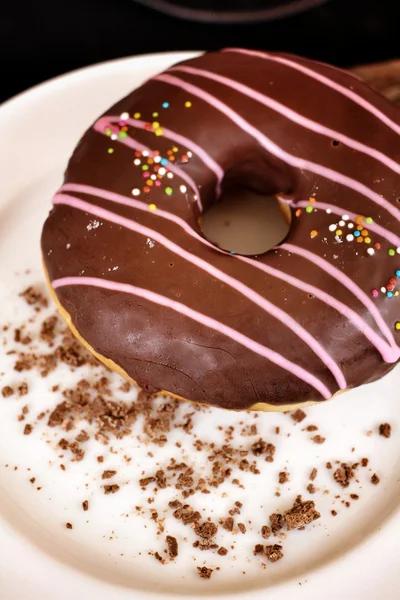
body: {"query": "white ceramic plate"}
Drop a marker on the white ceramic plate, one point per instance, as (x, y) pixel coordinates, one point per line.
(355, 555)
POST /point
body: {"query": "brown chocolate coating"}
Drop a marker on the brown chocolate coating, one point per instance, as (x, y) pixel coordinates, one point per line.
(160, 347)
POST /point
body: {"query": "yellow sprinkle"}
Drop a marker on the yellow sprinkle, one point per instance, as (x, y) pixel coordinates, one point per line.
(156, 125)
(367, 240)
(152, 207)
(188, 104)
(149, 182)
(159, 131)
(174, 149)
(339, 232)
(397, 325)
(313, 233)
(136, 116)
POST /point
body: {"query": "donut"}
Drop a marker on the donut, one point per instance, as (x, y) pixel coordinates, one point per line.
(143, 289)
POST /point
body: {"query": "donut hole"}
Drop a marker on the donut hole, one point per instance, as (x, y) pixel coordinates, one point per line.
(335, 143)
(245, 222)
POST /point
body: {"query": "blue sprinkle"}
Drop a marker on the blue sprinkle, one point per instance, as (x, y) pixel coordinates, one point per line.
(164, 161)
(232, 252)
(165, 104)
(389, 294)
(357, 234)
(397, 272)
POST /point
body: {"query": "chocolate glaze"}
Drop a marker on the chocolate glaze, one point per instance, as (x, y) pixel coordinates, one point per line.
(295, 324)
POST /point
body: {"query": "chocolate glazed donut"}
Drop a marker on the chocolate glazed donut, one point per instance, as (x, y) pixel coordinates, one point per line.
(140, 285)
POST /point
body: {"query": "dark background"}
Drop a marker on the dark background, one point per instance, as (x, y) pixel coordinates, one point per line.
(43, 38)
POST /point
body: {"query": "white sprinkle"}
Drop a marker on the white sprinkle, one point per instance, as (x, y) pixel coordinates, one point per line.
(170, 175)
(124, 116)
(332, 227)
(68, 246)
(383, 290)
(150, 243)
(135, 192)
(336, 256)
(183, 188)
(157, 159)
(137, 161)
(398, 250)
(162, 171)
(350, 225)
(328, 210)
(189, 154)
(114, 136)
(345, 217)
(145, 153)
(350, 237)
(338, 239)
(341, 223)
(371, 251)
(93, 224)
(153, 177)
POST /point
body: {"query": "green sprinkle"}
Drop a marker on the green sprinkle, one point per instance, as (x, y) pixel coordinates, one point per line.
(168, 190)
(108, 131)
(122, 135)
(155, 114)
(145, 168)
(110, 150)
(309, 209)
(369, 220)
(391, 252)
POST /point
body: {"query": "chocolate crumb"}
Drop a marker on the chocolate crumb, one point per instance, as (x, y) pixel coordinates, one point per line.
(265, 532)
(259, 447)
(32, 480)
(343, 475)
(222, 551)
(302, 513)
(329, 465)
(172, 546)
(258, 549)
(298, 415)
(206, 530)
(111, 489)
(22, 389)
(68, 525)
(318, 439)
(242, 527)
(333, 513)
(385, 430)
(145, 481)
(228, 523)
(28, 429)
(311, 428)
(277, 522)
(108, 474)
(204, 572)
(283, 477)
(375, 479)
(7, 391)
(85, 505)
(100, 459)
(273, 553)
(313, 474)
(311, 489)
(364, 462)
(354, 496)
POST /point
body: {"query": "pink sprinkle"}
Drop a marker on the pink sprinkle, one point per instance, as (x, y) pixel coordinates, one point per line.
(374, 292)
(157, 183)
(122, 123)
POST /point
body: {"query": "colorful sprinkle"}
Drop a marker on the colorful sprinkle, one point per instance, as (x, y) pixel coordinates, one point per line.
(397, 326)
(137, 161)
(374, 292)
(313, 233)
(145, 167)
(188, 104)
(159, 131)
(339, 232)
(358, 220)
(183, 188)
(397, 273)
(332, 227)
(357, 234)
(155, 114)
(371, 251)
(110, 150)
(367, 240)
(350, 237)
(298, 212)
(136, 115)
(164, 161)
(135, 192)
(168, 191)
(124, 116)
(165, 104)
(389, 294)
(122, 135)
(152, 207)
(391, 252)
(369, 220)
(383, 290)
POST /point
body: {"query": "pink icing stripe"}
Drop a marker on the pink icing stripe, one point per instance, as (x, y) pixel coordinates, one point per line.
(276, 312)
(344, 280)
(114, 197)
(292, 115)
(271, 147)
(337, 210)
(180, 139)
(102, 124)
(326, 81)
(209, 322)
(389, 354)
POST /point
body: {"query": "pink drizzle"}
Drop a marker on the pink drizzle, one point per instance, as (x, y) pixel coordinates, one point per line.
(326, 81)
(276, 150)
(388, 354)
(250, 294)
(292, 115)
(177, 138)
(209, 322)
